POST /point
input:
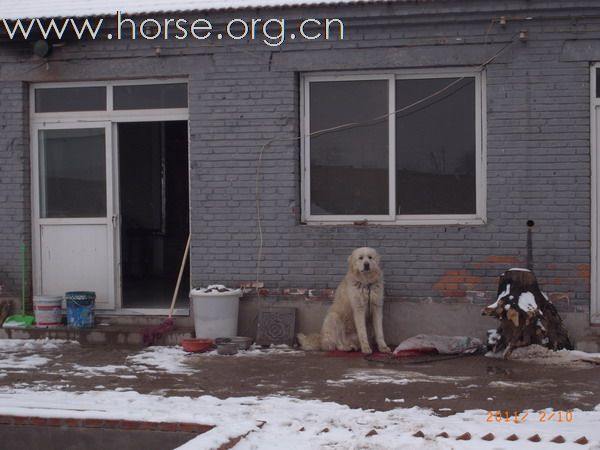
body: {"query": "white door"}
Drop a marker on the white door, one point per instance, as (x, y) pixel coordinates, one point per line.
(74, 220)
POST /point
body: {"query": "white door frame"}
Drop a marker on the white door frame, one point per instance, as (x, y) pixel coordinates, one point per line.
(117, 234)
(110, 119)
(595, 197)
(38, 222)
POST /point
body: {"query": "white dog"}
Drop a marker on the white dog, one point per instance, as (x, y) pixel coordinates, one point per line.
(357, 310)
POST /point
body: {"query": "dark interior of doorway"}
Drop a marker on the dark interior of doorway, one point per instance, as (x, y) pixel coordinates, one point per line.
(154, 205)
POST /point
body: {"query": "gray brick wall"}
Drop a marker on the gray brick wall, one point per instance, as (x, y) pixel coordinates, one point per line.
(538, 169)
(14, 186)
(243, 94)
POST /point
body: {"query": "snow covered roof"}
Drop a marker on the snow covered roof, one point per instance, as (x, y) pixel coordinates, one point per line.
(84, 8)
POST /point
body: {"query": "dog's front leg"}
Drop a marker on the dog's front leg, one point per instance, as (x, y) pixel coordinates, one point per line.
(378, 326)
(360, 322)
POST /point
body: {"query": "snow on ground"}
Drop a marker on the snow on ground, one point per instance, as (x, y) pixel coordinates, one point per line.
(20, 354)
(23, 354)
(22, 362)
(90, 371)
(308, 424)
(541, 355)
(173, 359)
(26, 354)
(389, 376)
(257, 350)
(576, 395)
(8, 345)
(521, 384)
(288, 422)
(167, 359)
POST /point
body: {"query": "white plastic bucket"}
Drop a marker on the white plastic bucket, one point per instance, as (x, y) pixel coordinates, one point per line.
(47, 311)
(215, 313)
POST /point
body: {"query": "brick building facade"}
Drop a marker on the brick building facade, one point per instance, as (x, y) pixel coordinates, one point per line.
(246, 160)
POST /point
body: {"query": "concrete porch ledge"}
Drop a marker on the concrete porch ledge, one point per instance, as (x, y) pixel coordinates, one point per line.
(404, 319)
(589, 344)
(111, 335)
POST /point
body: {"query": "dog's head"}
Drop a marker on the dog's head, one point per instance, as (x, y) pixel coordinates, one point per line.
(364, 264)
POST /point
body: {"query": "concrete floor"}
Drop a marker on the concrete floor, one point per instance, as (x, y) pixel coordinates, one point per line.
(445, 384)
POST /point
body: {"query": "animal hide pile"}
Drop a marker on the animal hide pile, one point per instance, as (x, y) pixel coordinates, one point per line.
(526, 315)
(444, 345)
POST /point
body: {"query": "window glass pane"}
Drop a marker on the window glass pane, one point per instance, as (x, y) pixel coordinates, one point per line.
(435, 147)
(70, 99)
(349, 167)
(72, 173)
(150, 96)
(597, 83)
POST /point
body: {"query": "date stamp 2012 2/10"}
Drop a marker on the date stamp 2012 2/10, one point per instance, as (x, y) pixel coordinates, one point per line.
(541, 416)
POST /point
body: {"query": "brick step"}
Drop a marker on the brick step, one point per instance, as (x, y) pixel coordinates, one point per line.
(105, 423)
(35, 433)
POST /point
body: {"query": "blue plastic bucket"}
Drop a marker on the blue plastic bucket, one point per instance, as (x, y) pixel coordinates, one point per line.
(80, 308)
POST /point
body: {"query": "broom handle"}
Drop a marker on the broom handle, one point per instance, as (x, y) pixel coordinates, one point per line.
(23, 278)
(183, 261)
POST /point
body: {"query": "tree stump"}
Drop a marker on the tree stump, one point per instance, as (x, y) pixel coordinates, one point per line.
(526, 315)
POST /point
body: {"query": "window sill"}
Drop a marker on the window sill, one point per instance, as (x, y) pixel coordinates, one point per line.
(400, 221)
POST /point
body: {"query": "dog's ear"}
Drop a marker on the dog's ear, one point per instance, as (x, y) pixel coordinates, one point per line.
(350, 258)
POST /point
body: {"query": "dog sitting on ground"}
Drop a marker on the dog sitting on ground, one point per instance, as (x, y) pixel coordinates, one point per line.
(357, 310)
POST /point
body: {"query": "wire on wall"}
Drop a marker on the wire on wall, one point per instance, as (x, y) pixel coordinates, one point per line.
(346, 126)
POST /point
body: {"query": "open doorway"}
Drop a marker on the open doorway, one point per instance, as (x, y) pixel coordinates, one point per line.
(154, 210)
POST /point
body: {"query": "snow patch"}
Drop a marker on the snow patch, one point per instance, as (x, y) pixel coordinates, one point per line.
(284, 422)
(258, 351)
(166, 359)
(541, 355)
(520, 384)
(576, 396)
(500, 296)
(21, 354)
(387, 376)
(527, 302)
(214, 290)
(23, 362)
(33, 344)
(103, 370)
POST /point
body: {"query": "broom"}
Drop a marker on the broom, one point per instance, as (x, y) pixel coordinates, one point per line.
(20, 320)
(153, 334)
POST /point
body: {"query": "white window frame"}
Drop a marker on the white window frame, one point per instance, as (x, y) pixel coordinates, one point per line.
(393, 219)
(110, 114)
